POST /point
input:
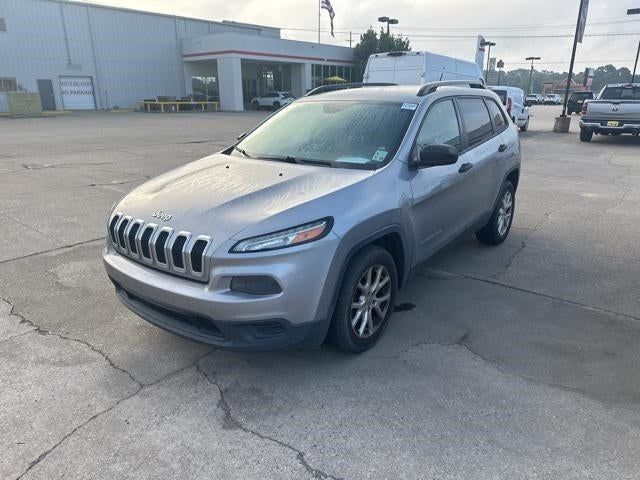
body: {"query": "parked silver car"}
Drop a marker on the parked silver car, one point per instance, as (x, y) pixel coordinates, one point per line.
(310, 223)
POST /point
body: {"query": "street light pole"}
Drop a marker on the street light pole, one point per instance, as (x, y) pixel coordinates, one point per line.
(635, 11)
(388, 21)
(533, 59)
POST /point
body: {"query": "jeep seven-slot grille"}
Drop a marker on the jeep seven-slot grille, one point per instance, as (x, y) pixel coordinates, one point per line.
(180, 253)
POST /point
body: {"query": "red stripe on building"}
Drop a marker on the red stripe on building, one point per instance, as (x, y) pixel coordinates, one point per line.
(262, 54)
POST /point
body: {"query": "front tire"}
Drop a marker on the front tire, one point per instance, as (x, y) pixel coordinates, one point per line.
(276, 105)
(366, 300)
(525, 127)
(496, 231)
(256, 106)
(586, 135)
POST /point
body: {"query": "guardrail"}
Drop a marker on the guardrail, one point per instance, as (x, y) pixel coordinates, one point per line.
(174, 106)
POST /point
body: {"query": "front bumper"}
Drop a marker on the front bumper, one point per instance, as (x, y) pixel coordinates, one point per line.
(212, 313)
(601, 125)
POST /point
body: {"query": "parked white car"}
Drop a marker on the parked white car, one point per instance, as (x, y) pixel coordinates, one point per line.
(553, 99)
(533, 99)
(513, 100)
(273, 100)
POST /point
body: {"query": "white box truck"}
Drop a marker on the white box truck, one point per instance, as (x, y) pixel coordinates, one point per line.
(418, 68)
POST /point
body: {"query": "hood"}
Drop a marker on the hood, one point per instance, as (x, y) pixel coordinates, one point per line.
(221, 195)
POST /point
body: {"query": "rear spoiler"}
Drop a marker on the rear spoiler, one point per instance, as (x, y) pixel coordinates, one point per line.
(345, 86)
(433, 86)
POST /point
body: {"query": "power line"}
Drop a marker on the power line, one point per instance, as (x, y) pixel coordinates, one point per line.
(457, 37)
(483, 29)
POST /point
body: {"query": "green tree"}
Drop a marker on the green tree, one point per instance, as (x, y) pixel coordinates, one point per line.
(520, 77)
(372, 42)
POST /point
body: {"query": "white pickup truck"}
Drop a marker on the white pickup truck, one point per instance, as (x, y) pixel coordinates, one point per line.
(615, 111)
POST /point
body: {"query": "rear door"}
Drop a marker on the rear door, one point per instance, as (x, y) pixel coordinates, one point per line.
(485, 144)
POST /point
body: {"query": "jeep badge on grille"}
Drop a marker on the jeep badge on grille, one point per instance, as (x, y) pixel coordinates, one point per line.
(165, 217)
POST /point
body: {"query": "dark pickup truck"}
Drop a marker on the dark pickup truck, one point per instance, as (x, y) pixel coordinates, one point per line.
(614, 112)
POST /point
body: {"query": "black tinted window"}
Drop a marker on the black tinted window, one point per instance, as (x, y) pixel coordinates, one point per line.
(496, 115)
(476, 119)
(440, 126)
(503, 95)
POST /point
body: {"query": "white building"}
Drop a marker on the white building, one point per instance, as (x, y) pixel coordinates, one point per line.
(85, 56)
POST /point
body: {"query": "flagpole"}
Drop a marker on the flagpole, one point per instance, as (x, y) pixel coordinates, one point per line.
(319, 12)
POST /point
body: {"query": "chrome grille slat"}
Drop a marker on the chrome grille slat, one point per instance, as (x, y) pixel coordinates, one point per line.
(177, 252)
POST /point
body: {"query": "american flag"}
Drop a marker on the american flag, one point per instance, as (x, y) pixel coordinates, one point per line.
(326, 5)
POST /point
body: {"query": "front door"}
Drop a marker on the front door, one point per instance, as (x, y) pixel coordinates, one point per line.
(440, 194)
(47, 99)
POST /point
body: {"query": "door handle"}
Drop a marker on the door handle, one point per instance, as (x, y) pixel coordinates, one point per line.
(465, 167)
(503, 147)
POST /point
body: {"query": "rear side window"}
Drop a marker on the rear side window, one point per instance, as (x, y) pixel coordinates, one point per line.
(496, 114)
(440, 126)
(503, 95)
(620, 93)
(475, 117)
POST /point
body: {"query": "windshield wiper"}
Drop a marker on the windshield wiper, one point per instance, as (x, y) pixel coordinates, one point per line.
(300, 161)
(242, 151)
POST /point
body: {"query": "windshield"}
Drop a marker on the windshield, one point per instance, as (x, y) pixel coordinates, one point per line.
(339, 133)
(620, 93)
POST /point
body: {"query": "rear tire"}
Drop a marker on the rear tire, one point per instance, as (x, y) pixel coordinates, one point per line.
(525, 127)
(496, 231)
(366, 300)
(256, 106)
(586, 135)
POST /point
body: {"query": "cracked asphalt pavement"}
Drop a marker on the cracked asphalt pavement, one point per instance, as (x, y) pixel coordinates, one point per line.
(519, 361)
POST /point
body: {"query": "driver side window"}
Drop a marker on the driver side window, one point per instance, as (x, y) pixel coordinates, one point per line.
(440, 126)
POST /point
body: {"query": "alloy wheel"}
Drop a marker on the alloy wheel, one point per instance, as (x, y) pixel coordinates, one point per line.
(370, 302)
(505, 213)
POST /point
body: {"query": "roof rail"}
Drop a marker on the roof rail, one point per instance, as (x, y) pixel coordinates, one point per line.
(433, 86)
(346, 86)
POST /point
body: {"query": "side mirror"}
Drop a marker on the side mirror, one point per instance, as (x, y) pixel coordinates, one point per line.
(242, 135)
(435, 156)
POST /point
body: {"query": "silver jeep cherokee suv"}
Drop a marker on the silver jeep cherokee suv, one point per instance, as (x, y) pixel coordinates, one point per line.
(308, 225)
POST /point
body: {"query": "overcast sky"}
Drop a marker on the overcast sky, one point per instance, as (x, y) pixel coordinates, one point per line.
(421, 20)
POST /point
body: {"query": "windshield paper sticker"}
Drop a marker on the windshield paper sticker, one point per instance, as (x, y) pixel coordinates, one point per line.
(409, 106)
(380, 155)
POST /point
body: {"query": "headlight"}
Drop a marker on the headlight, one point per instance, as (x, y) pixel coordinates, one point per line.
(285, 238)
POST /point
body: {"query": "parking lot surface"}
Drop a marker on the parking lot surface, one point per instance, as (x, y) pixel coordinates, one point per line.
(519, 361)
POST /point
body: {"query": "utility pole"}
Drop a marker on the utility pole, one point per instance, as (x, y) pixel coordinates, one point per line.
(533, 59)
(635, 11)
(576, 39)
(487, 44)
(319, 17)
